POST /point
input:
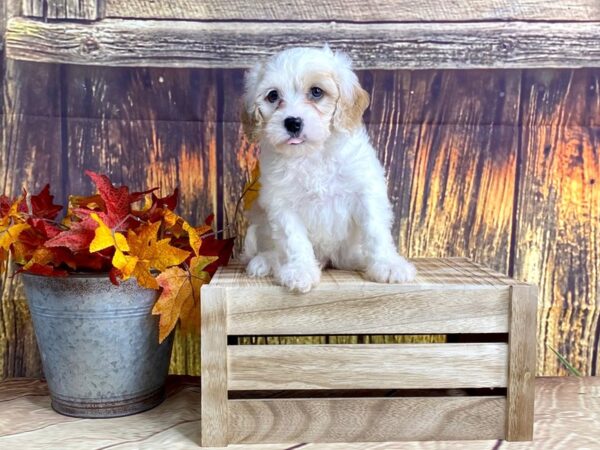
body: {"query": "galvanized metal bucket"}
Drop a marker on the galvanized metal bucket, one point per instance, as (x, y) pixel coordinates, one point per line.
(99, 344)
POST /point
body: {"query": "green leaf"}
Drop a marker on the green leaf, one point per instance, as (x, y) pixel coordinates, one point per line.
(572, 370)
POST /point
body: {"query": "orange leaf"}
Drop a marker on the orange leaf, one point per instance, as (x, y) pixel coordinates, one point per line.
(178, 224)
(146, 252)
(180, 296)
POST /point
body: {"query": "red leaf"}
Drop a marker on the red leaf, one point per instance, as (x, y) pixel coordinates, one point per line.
(168, 202)
(48, 271)
(137, 196)
(76, 239)
(41, 204)
(117, 199)
(42, 226)
(5, 204)
(209, 220)
(92, 262)
(216, 247)
(114, 276)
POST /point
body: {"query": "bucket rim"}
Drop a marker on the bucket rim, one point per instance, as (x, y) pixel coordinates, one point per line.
(70, 275)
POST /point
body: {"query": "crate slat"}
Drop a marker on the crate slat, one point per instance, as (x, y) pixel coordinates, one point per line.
(450, 273)
(366, 420)
(370, 366)
(377, 310)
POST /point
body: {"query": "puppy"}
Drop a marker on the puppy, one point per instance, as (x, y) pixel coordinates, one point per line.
(323, 197)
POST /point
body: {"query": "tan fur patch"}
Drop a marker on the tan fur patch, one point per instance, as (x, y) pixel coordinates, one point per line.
(251, 124)
(350, 110)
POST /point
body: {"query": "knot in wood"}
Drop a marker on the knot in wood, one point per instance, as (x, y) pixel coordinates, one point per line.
(506, 46)
(89, 44)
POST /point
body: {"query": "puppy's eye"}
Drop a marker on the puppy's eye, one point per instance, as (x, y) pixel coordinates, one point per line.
(272, 96)
(316, 92)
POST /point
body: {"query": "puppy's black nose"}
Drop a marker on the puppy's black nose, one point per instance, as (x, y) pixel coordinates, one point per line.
(293, 125)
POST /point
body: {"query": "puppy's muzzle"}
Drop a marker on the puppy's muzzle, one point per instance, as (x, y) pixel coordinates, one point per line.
(293, 125)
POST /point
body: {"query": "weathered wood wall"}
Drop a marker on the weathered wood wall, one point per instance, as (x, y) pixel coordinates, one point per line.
(501, 166)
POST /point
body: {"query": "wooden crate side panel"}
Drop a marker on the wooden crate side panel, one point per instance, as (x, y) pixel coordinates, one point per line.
(370, 366)
(366, 419)
(372, 311)
(357, 10)
(374, 46)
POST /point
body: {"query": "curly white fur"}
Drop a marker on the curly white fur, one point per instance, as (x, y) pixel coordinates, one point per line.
(323, 197)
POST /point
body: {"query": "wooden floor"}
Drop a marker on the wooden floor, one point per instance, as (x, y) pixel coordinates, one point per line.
(567, 417)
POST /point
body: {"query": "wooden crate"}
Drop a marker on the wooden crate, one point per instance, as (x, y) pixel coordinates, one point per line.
(370, 392)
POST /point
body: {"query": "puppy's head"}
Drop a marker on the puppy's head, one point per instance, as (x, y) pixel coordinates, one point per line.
(300, 96)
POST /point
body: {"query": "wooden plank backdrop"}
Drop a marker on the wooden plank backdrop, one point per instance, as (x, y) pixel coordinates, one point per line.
(235, 44)
(356, 10)
(498, 165)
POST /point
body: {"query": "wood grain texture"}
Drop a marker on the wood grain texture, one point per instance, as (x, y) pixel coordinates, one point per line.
(374, 310)
(214, 367)
(451, 295)
(356, 10)
(461, 201)
(147, 128)
(64, 9)
(240, 44)
(521, 363)
(432, 273)
(366, 420)
(567, 415)
(177, 422)
(372, 366)
(558, 214)
(33, 8)
(8, 9)
(27, 160)
(3, 18)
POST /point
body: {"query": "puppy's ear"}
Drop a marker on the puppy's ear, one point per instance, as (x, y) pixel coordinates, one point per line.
(353, 100)
(251, 116)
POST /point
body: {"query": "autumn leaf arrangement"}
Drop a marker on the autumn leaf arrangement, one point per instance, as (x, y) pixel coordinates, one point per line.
(120, 233)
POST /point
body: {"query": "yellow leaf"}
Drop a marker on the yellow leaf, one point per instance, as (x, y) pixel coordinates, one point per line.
(193, 236)
(104, 237)
(10, 234)
(125, 263)
(180, 296)
(252, 188)
(40, 256)
(13, 213)
(170, 218)
(203, 229)
(177, 224)
(150, 253)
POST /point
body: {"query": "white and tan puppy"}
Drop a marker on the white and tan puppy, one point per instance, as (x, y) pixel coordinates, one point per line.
(323, 197)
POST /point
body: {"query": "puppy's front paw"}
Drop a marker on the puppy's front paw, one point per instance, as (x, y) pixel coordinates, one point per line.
(300, 278)
(258, 266)
(396, 270)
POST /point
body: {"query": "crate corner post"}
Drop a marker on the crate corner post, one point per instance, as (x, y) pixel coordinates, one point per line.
(213, 338)
(522, 363)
